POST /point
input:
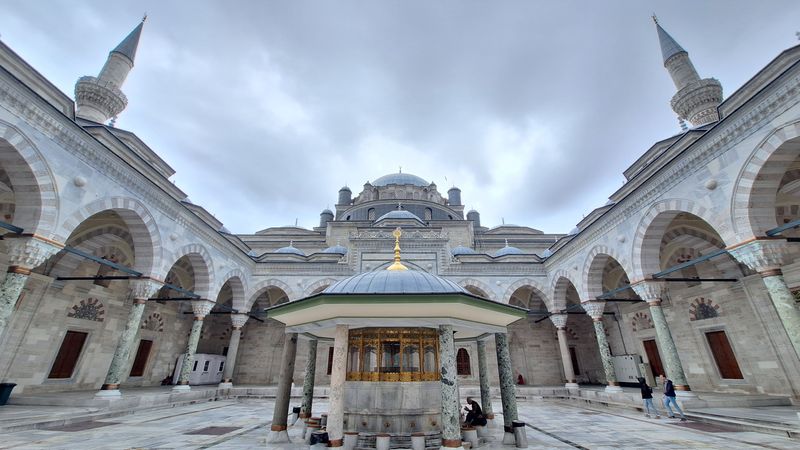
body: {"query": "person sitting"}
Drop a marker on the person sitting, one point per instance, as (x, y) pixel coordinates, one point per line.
(474, 414)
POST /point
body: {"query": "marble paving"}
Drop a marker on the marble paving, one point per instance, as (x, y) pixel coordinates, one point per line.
(232, 424)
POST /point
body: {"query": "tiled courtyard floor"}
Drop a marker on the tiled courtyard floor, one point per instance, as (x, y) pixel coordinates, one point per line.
(243, 424)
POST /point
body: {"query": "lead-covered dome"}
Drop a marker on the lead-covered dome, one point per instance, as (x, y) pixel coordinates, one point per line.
(399, 214)
(395, 282)
(401, 179)
(291, 249)
(507, 250)
(461, 250)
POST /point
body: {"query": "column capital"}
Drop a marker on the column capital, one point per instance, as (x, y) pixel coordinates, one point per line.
(238, 320)
(594, 309)
(650, 290)
(762, 255)
(202, 307)
(27, 252)
(144, 289)
(559, 320)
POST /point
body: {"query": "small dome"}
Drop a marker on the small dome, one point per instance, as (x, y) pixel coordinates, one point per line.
(461, 250)
(291, 249)
(400, 179)
(394, 282)
(574, 231)
(252, 254)
(454, 189)
(340, 249)
(399, 214)
(507, 250)
(326, 211)
(345, 188)
(546, 253)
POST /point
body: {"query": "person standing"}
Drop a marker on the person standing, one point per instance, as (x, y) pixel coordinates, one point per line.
(647, 398)
(669, 399)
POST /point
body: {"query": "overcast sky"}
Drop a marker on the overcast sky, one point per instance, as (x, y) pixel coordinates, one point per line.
(265, 109)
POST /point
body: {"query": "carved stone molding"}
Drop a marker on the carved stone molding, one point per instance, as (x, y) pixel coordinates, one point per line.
(594, 309)
(559, 320)
(761, 256)
(29, 252)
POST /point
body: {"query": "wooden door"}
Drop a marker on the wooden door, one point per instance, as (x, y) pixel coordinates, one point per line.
(330, 360)
(67, 357)
(573, 355)
(654, 358)
(723, 355)
(140, 361)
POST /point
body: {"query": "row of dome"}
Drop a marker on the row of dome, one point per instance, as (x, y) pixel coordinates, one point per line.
(457, 251)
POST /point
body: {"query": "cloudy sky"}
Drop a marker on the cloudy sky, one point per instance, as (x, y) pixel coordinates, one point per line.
(265, 108)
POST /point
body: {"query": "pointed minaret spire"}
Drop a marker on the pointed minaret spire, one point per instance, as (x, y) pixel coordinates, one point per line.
(697, 99)
(99, 98)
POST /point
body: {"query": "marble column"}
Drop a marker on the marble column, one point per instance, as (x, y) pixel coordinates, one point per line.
(766, 257)
(451, 428)
(280, 415)
(237, 322)
(201, 308)
(24, 255)
(335, 426)
(595, 310)
(652, 292)
(560, 322)
(141, 290)
(508, 393)
(308, 380)
(483, 374)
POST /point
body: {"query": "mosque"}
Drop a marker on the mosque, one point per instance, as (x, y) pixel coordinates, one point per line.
(115, 280)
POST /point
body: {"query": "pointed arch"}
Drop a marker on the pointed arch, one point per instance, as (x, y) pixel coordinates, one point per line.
(141, 226)
(202, 265)
(753, 199)
(263, 285)
(36, 202)
(593, 268)
(318, 286)
(482, 289)
(535, 286)
(560, 282)
(651, 229)
(237, 280)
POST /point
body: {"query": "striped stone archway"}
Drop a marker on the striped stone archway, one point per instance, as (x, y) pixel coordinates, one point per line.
(142, 228)
(36, 203)
(593, 269)
(753, 200)
(202, 266)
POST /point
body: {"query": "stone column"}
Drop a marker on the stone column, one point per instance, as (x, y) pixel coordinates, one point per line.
(201, 308)
(335, 426)
(280, 415)
(652, 292)
(560, 321)
(483, 374)
(308, 380)
(141, 290)
(24, 255)
(595, 310)
(237, 322)
(451, 427)
(767, 257)
(508, 394)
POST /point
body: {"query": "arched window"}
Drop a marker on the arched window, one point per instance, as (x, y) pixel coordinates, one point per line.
(462, 362)
(371, 214)
(428, 214)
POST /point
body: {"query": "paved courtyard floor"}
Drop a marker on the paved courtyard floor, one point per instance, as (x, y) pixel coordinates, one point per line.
(243, 424)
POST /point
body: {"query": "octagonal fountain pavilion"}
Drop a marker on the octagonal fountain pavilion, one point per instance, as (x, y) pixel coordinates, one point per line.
(394, 361)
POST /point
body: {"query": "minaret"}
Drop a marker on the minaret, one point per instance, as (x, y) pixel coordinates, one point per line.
(99, 98)
(697, 99)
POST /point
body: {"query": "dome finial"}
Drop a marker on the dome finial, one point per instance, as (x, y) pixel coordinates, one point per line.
(506, 242)
(397, 265)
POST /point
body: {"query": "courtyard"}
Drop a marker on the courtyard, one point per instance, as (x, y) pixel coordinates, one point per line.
(244, 424)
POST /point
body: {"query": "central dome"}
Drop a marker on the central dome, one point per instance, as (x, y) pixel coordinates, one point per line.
(394, 282)
(401, 179)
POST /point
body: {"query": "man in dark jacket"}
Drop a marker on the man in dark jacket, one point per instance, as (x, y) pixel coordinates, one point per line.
(669, 398)
(474, 414)
(647, 398)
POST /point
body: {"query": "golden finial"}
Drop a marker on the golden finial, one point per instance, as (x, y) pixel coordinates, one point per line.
(144, 18)
(397, 265)
(655, 19)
